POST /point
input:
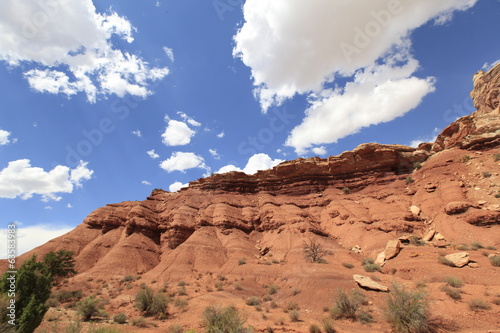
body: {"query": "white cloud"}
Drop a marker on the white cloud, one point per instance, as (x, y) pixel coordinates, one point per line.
(20, 179)
(177, 133)
(30, 237)
(429, 138)
(71, 36)
(319, 150)
(220, 135)
(169, 52)
(188, 119)
(175, 187)
(378, 94)
(214, 154)
(48, 207)
(4, 137)
(255, 163)
(137, 133)
(69, 206)
(181, 161)
(145, 182)
(152, 154)
(301, 47)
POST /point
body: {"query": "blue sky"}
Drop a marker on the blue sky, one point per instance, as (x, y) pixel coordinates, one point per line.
(102, 101)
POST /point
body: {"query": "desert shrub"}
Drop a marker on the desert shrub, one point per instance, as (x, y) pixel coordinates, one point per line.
(74, 326)
(314, 252)
(328, 326)
(219, 286)
(182, 291)
(103, 330)
(175, 329)
(347, 265)
(181, 303)
(218, 320)
(90, 307)
(465, 158)
(477, 304)
(273, 289)
(407, 311)
(453, 281)
(462, 247)
(370, 268)
(454, 293)
(491, 247)
(292, 306)
(496, 157)
(486, 174)
(409, 180)
(476, 246)
(242, 262)
(65, 296)
(497, 195)
(120, 318)
(415, 240)
(295, 291)
(128, 278)
(348, 305)
(294, 316)
(496, 301)
(182, 283)
(151, 303)
(495, 261)
(314, 329)
(346, 190)
(417, 165)
(253, 301)
(139, 322)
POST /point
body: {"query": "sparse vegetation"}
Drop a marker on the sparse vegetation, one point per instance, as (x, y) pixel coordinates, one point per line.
(346, 190)
(314, 252)
(476, 246)
(465, 159)
(407, 311)
(496, 157)
(497, 195)
(486, 174)
(314, 329)
(417, 241)
(175, 329)
(253, 301)
(453, 281)
(295, 291)
(454, 293)
(417, 165)
(495, 261)
(151, 303)
(348, 306)
(242, 262)
(328, 326)
(477, 304)
(462, 247)
(370, 266)
(139, 322)
(294, 316)
(348, 265)
(120, 318)
(218, 320)
(442, 259)
(90, 307)
(273, 289)
(409, 180)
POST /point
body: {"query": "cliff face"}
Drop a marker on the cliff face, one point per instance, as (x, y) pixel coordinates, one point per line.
(359, 199)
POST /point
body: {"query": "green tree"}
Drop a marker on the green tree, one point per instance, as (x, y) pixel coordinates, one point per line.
(60, 263)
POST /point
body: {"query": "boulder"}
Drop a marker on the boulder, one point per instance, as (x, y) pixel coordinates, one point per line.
(456, 207)
(415, 210)
(392, 249)
(429, 235)
(366, 282)
(458, 259)
(380, 259)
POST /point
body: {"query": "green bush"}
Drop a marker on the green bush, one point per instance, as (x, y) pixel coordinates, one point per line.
(370, 268)
(407, 311)
(151, 303)
(348, 306)
(90, 307)
(453, 281)
(409, 180)
(273, 289)
(120, 318)
(477, 304)
(346, 190)
(347, 265)
(495, 261)
(223, 320)
(417, 165)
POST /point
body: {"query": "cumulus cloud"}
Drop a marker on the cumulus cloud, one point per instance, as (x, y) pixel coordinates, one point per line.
(255, 163)
(177, 133)
(69, 45)
(175, 187)
(297, 47)
(32, 236)
(319, 150)
(20, 179)
(220, 135)
(137, 133)
(182, 161)
(378, 94)
(4, 137)
(151, 153)
(188, 119)
(145, 182)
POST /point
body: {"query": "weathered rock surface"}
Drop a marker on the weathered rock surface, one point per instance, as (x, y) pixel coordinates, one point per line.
(456, 207)
(368, 283)
(459, 259)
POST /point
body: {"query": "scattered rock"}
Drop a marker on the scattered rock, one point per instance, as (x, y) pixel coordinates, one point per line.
(456, 207)
(482, 202)
(429, 235)
(483, 218)
(439, 237)
(357, 249)
(415, 210)
(430, 187)
(380, 259)
(458, 259)
(473, 264)
(392, 249)
(366, 282)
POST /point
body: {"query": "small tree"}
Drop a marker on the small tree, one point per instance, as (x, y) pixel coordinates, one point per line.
(227, 320)
(151, 303)
(407, 311)
(90, 307)
(314, 252)
(60, 263)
